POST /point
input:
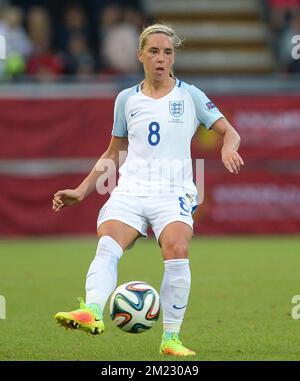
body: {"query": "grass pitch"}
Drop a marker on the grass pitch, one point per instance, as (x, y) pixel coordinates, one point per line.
(240, 301)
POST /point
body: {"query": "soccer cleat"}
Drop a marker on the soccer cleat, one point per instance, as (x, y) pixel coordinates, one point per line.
(85, 319)
(172, 346)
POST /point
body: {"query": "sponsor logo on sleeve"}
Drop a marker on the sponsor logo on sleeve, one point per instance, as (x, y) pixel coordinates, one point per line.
(210, 105)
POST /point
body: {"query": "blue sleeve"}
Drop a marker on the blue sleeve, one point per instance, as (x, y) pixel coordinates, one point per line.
(207, 113)
(120, 122)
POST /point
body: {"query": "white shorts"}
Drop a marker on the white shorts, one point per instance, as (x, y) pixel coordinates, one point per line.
(140, 212)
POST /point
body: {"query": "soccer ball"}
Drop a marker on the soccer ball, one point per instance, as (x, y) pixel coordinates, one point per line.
(134, 307)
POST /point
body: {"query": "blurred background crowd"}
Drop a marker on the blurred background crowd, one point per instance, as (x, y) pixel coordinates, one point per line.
(50, 40)
(79, 38)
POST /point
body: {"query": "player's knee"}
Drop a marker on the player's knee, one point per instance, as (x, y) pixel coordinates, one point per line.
(107, 244)
(114, 232)
(102, 232)
(175, 250)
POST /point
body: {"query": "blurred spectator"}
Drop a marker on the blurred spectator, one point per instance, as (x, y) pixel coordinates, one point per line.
(286, 62)
(110, 16)
(75, 22)
(43, 63)
(135, 17)
(119, 40)
(18, 45)
(38, 24)
(79, 60)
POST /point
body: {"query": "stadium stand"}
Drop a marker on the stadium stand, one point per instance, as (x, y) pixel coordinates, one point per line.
(222, 37)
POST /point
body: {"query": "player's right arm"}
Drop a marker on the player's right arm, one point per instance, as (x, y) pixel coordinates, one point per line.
(68, 197)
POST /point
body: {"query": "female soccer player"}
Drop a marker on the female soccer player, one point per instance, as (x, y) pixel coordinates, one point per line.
(154, 122)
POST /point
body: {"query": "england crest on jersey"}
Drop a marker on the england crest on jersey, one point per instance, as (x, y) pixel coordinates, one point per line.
(176, 108)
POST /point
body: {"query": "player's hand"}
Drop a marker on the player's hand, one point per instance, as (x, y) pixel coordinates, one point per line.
(64, 198)
(232, 160)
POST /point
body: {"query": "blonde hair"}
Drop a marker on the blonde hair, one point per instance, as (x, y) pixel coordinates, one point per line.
(160, 28)
(164, 29)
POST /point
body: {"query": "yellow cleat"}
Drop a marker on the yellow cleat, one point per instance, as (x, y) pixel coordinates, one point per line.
(84, 319)
(172, 346)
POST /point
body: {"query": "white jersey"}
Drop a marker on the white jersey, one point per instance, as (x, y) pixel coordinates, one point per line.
(159, 133)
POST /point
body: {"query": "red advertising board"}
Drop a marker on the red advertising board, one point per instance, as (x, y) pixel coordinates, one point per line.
(51, 128)
(263, 198)
(252, 202)
(268, 124)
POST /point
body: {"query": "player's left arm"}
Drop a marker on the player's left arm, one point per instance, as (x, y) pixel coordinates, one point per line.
(231, 142)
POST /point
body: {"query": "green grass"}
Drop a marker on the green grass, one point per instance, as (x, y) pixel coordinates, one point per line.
(240, 301)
